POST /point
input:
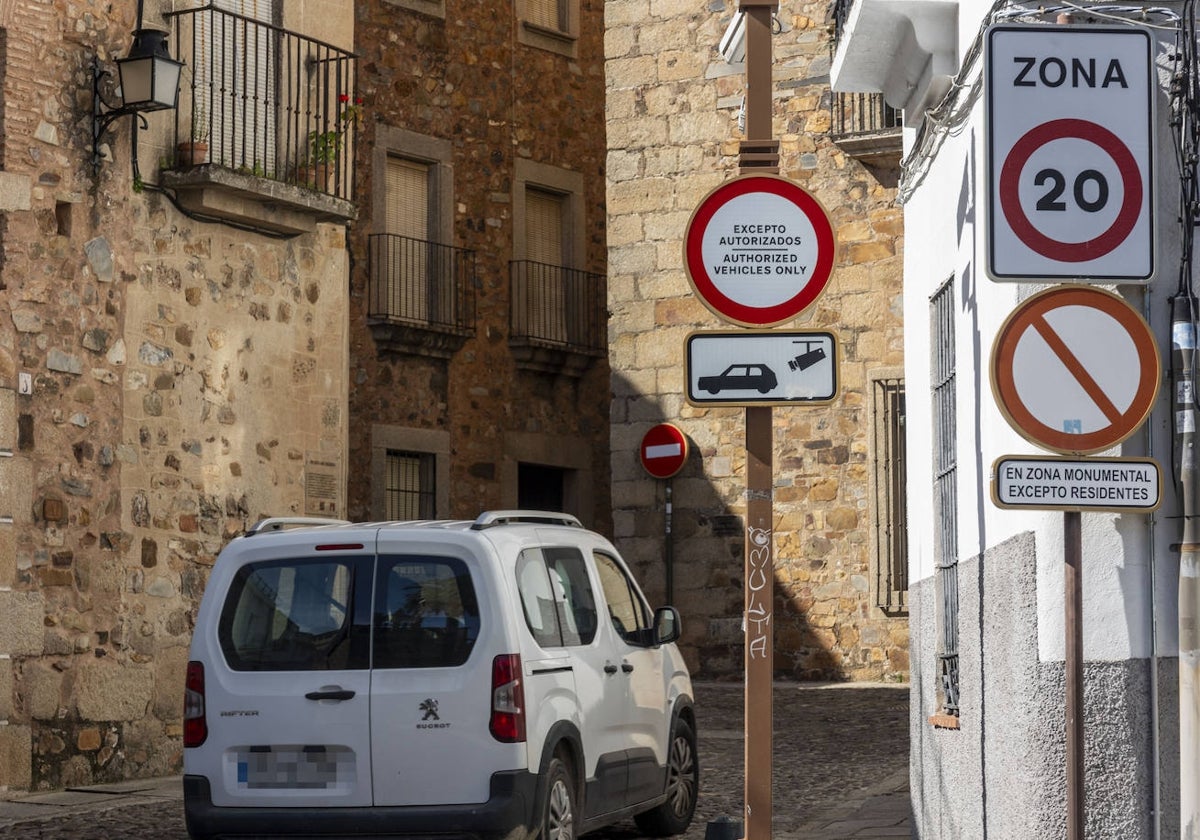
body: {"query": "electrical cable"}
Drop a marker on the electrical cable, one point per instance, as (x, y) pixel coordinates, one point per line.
(951, 113)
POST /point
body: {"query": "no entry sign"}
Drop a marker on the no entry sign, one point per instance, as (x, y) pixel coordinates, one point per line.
(1075, 369)
(664, 450)
(1070, 153)
(758, 250)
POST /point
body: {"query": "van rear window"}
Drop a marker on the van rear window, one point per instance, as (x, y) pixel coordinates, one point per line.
(295, 615)
(426, 612)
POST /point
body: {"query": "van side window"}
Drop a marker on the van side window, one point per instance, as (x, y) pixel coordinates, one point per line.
(626, 610)
(426, 612)
(556, 596)
(292, 615)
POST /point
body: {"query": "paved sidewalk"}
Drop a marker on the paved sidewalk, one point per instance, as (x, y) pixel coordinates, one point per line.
(17, 809)
(884, 811)
(840, 772)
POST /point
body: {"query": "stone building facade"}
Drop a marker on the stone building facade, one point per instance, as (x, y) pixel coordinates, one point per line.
(172, 368)
(478, 341)
(673, 133)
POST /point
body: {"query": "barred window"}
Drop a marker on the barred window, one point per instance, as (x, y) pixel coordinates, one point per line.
(945, 490)
(409, 488)
(888, 489)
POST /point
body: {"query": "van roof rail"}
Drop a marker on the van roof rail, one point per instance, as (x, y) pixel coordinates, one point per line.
(278, 523)
(492, 518)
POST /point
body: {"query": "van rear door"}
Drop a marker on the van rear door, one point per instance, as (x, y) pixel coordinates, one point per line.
(434, 631)
(287, 689)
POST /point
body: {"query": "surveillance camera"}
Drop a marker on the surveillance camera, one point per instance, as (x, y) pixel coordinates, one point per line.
(733, 42)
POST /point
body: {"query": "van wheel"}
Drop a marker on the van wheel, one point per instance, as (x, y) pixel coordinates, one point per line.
(683, 784)
(558, 818)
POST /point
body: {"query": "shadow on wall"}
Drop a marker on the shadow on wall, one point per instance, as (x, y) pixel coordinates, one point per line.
(702, 558)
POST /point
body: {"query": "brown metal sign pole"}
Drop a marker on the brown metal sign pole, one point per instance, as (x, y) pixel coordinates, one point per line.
(759, 153)
(760, 597)
(1073, 554)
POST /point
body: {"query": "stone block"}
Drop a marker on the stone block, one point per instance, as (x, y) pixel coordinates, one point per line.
(16, 191)
(170, 672)
(16, 479)
(625, 12)
(8, 419)
(21, 631)
(16, 757)
(105, 690)
(619, 42)
(42, 689)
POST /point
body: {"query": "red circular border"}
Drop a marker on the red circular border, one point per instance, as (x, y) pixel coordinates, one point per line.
(1010, 201)
(724, 306)
(674, 435)
(1004, 386)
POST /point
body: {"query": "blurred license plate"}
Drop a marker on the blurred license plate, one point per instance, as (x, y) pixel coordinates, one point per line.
(287, 767)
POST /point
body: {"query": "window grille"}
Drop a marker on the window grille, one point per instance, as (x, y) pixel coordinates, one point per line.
(945, 489)
(890, 476)
(409, 485)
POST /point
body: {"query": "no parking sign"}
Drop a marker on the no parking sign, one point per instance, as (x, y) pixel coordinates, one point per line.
(1070, 153)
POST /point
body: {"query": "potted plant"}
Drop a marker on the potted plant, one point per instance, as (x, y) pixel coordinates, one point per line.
(324, 147)
(194, 152)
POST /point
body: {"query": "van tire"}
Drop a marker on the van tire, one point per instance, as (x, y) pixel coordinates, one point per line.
(683, 784)
(560, 815)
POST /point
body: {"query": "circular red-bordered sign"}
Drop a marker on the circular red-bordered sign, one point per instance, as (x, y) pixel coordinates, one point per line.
(759, 250)
(1075, 369)
(664, 450)
(1131, 182)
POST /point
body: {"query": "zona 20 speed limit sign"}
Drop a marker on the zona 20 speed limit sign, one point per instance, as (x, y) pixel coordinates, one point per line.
(1070, 153)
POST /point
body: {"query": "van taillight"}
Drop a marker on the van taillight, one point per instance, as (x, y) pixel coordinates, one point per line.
(195, 726)
(508, 699)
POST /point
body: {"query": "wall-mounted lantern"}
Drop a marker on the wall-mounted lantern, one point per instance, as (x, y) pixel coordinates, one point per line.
(149, 81)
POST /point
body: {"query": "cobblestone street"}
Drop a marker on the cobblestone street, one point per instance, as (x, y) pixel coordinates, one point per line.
(840, 768)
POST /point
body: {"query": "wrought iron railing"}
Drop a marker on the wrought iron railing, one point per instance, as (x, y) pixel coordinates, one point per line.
(265, 101)
(558, 307)
(856, 114)
(421, 283)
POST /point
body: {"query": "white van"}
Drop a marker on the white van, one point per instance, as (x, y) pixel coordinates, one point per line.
(497, 678)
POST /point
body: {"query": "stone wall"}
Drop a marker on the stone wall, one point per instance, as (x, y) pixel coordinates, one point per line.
(181, 378)
(469, 82)
(673, 136)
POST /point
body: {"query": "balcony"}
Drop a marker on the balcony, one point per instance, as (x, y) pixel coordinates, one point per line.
(906, 50)
(865, 127)
(559, 322)
(421, 296)
(266, 126)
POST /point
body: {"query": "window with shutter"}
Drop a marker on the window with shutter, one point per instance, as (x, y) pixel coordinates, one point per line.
(243, 118)
(407, 251)
(551, 25)
(544, 248)
(551, 14)
(407, 198)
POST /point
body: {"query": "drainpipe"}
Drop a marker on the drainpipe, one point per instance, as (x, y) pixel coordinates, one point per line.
(1183, 347)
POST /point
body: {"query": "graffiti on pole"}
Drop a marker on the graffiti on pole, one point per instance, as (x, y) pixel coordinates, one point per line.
(758, 605)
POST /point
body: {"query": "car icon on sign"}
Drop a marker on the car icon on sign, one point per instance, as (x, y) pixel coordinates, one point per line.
(741, 378)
